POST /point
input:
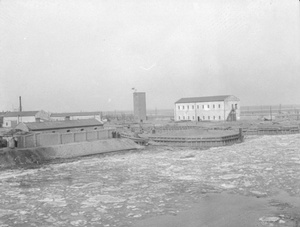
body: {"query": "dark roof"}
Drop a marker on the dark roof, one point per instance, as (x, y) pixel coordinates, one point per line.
(74, 114)
(50, 125)
(20, 114)
(203, 99)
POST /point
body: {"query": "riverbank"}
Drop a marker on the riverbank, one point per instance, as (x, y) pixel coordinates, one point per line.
(17, 157)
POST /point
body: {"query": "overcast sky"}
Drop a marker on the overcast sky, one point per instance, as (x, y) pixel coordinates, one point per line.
(84, 55)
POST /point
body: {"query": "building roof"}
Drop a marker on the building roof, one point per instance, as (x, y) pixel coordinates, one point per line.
(20, 114)
(52, 125)
(203, 99)
(75, 114)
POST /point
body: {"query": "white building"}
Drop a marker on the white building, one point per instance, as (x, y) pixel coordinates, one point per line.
(211, 108)
(11, 119)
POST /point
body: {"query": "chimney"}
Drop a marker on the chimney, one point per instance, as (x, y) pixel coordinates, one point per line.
(20, 102)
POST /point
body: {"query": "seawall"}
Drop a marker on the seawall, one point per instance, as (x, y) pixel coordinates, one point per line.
(15, 157)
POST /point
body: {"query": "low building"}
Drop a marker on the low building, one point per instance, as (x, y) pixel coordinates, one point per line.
(11, 119)
(60, 126)
(210, 108)
(76, 116)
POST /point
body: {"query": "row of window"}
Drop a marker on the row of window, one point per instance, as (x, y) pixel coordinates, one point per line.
(234, 106)
(199, 118)
(198, 106)
(74, 131)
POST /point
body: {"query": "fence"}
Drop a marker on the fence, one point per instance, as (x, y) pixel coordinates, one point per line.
(271, 112)
(159, 129)
(272, 130)
(50, 139)
(199, 142)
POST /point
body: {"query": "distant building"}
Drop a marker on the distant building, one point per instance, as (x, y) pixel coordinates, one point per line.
(211, 108)
(61, 126)
(139, 106)
(76, 116)
(11, 119)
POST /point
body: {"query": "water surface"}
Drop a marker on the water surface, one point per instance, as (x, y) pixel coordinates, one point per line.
(164, 184)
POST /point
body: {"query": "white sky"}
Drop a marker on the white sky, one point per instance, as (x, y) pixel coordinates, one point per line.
(73, 55)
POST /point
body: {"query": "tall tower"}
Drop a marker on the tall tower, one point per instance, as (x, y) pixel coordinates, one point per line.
(20, 103)
(139, 106)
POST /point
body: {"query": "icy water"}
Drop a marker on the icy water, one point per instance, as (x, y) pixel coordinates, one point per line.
(256, 183)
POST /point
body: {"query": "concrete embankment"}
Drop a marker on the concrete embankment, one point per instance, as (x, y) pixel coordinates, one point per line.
(15, 157)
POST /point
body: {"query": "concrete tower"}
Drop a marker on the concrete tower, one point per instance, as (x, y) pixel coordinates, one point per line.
(139, 106)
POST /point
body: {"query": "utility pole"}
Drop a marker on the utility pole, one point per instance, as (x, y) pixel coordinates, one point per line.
(279, 108)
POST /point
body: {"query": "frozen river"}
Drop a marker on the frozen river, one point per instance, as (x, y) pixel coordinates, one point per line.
(161, 185)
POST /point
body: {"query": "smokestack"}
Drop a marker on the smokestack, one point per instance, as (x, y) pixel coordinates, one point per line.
(20, 102)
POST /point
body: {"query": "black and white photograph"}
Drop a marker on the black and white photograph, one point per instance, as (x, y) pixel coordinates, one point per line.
(149, 113)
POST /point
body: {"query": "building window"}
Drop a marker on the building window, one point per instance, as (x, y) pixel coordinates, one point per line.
(219, 106)
(202, 106)
(6, 123)
(203, 117)
(82, 129)
(178, 117)
(214, 118)
(95, 128)
(188, 117)
(179, 107)
(235, 106)
(208, 117)
(68, 130)
(197, 106)
(192, 107)
(193, 118)
(188, 106)
(53, 131)
(219, 117)
(183, 107)
(214, 106)
(183, 117)
(208, 106)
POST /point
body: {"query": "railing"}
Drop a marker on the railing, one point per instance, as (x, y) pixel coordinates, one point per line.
(272, 130)
(50, 139)
(198, 141)
(141, 141)
(173, 128)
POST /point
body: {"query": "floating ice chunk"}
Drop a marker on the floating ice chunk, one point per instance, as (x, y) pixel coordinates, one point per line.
(231, 176)
(228, 186)
(269, 219)
(93, 201)
(6, 212)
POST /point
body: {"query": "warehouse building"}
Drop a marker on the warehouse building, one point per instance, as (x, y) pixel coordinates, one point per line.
(60, 126)
(11, 119)
(210, 108)
(76, 116)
